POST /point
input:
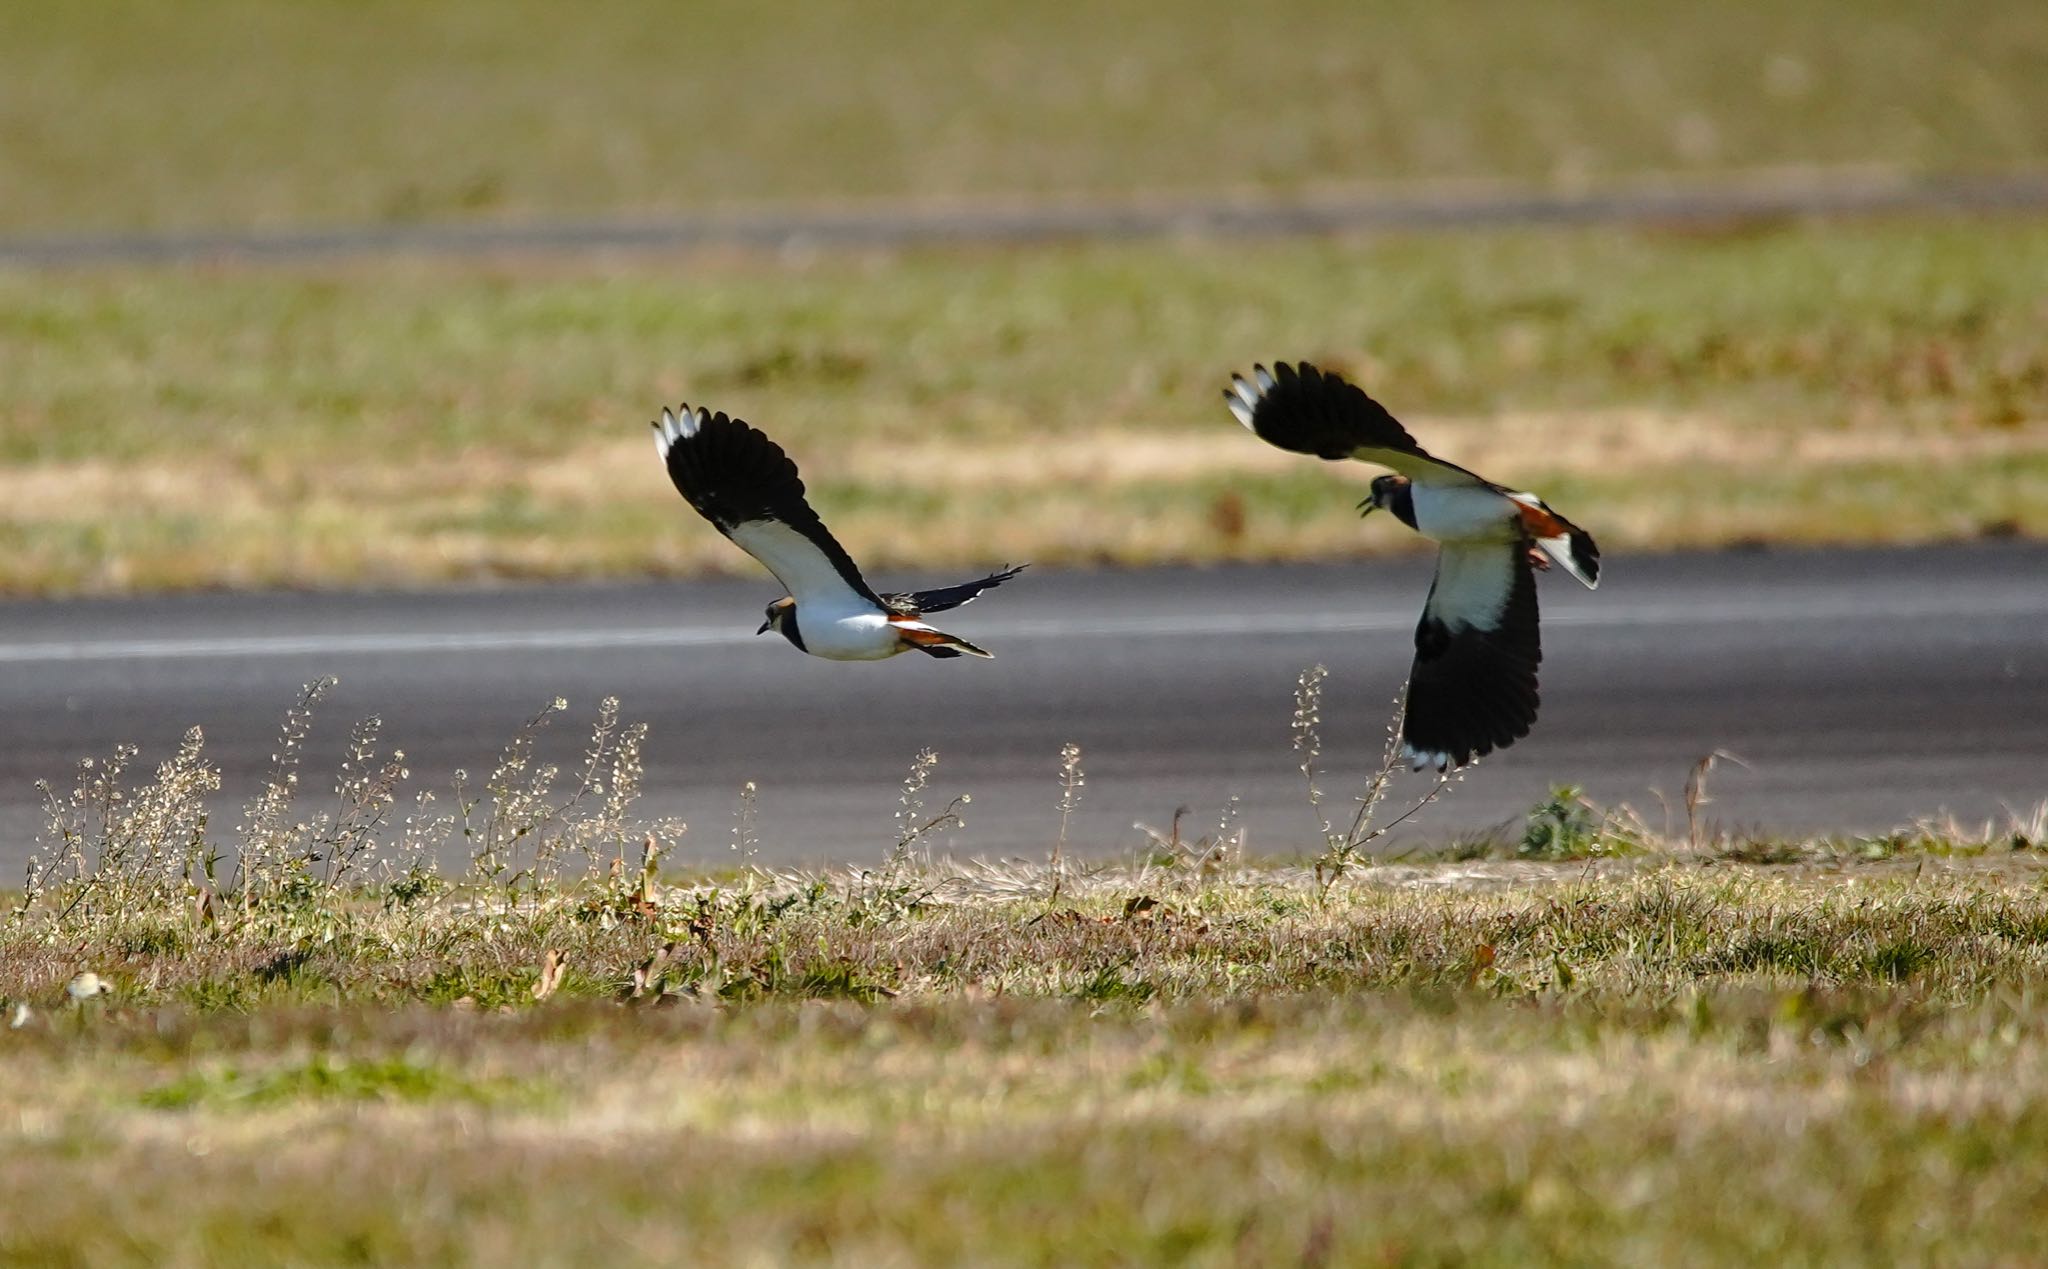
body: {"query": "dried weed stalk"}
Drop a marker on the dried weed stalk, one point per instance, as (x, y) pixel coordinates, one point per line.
(523, 838)
(1699, 835)
(113, 854)
(1171, 858)
(1072, 778)
(108, 849)
(912, 826)
(746, 840)
(264, 861)
(904, 884)
(1344, 851)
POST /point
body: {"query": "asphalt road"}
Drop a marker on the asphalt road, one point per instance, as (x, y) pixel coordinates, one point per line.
(1862, 688)
(1734, 199)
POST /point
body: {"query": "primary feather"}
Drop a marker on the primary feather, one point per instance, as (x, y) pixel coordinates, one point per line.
(749, 490)
(1308, 411)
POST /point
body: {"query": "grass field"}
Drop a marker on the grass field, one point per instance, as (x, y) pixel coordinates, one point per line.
(402, 422)
(406, 422)
(285, 1037)
(1666, 1058)
(289, 1038)
(219, 113)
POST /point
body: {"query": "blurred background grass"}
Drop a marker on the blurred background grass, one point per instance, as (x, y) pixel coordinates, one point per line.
(245, 112)
(405, 420)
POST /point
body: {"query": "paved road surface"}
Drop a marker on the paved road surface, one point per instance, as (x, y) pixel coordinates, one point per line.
(881, 224)
(1863, 688)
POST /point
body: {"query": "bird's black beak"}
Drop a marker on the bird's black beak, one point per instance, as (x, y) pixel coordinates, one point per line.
(1366, 508)
(766, 626)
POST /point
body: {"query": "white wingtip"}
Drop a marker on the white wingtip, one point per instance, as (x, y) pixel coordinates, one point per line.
(676, 425)
(1239, 408)
(1422, 760)
(1243, 397)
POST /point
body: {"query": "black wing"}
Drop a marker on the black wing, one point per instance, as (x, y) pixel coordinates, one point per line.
(1311, 411)
(749, 490)
(917, 602)
(1473, 687)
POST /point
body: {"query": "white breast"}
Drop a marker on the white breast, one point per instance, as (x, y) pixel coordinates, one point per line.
(1464, 513)
(847, 636)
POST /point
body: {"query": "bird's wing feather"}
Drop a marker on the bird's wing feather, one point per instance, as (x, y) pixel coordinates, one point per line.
(916, 602)
(1473, 686)
(749, 490)
(1319, 412)
(813, 578)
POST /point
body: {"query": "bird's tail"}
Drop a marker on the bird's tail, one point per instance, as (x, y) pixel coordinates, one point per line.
(1560, 539)
(1580, 557)
(1574, 548)
(937, 643)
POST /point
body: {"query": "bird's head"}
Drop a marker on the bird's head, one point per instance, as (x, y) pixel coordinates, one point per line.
(778, 612)
(1383, 490)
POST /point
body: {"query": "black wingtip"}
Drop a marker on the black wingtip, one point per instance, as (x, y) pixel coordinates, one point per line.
(1304, 409)
(1586, 554)
(1473, 689)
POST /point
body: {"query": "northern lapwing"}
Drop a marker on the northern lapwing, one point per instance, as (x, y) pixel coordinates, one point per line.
(748, 489)
(1473, 687)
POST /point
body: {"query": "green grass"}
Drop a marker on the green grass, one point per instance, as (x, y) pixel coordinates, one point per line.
(130, 114)
(406, 423)
(287, 1037)
(319, 1078)
(402, 422)
(1672, 1059)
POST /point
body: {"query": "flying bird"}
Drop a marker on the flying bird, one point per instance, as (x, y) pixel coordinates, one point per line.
(1473, 686)
(748, 489)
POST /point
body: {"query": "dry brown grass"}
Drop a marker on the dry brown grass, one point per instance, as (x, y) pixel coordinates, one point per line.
(1675, 1059)
(1594, 1044)
(1072, 502)
(407, 423)
(1581, 445)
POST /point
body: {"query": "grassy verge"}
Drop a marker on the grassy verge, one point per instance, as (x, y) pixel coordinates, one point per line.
(411, 423)
(1673, 1057)
(297, 1041)
(234, 112)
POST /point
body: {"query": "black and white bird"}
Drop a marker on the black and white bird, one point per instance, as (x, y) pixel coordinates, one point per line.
(748, 489)
(1473, 687)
